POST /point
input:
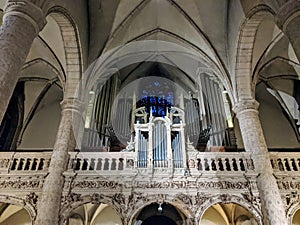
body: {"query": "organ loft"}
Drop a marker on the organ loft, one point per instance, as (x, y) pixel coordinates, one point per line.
(144, 112)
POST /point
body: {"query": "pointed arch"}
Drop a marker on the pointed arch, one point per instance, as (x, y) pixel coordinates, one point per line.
(243, 64)
(72, 48)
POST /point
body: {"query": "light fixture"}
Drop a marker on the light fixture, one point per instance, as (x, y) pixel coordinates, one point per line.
(159, 209)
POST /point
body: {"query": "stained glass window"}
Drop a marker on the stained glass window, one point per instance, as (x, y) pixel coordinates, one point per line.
(158, 97)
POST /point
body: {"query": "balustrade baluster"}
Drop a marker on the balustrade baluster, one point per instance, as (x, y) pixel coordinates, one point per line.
(296, 164)
(34, 164)
(26, 164)
(220, 164)
(41, 164)
(227, 165)
(241, 165)
(92, 165)
(20, 164)
(234, 164)
(280, 165)
(286, 164)
(293, 165)
(213, 165)
(206, 165)
(199, 165)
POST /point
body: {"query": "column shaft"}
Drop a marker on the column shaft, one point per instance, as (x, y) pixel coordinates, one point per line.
(16, 36)
(272, 205)
(50, 200)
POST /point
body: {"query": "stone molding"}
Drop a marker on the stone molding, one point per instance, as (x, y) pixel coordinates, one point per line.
(72, 104)
(245, 105)
(26, 10)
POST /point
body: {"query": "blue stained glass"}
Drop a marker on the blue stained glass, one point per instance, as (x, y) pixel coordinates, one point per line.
(157, 97)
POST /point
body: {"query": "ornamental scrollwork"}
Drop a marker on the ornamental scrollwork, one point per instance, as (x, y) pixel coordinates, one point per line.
(20, 184)
(95, 184)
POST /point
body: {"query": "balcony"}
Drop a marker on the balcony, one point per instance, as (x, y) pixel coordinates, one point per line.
(23, 171)
(114, 162)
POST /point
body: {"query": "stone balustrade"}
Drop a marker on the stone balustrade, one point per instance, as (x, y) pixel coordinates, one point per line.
(103, 161)
(221, 162)
(285, 162)
(110, 162)
(24, 161)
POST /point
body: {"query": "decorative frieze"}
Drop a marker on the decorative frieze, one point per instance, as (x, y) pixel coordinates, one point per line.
(21, 184)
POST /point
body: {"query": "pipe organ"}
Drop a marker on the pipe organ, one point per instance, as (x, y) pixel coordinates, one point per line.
(160, 143)
(144, 119)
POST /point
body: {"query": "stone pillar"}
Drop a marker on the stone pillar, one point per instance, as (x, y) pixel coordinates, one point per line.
(288, 20)
(272, 206)
(22, 21)
(50, 200)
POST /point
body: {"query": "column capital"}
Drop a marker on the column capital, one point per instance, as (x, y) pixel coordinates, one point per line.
(72, 104)
(287, 12)
(247, 104)
(28, 10)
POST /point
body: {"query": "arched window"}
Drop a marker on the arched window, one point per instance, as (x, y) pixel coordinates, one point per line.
(157, 97)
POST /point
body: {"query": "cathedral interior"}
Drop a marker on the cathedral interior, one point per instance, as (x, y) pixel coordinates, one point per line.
(139, 112)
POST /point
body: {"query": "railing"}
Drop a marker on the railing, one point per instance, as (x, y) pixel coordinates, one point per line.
(222, 162)
(24, 161)
(104, 161)
(203, 162)
(285, 162)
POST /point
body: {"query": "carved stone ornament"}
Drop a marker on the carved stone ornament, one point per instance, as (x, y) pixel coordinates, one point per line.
(70, 198)
(190, 184)
(4, 163)
(288, 185)
(31, 198)
(21, 184)
(95, 184)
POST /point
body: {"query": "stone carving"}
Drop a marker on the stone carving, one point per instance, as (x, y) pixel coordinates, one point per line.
(288, 185)
(95, 184)
(186, 199)
(249, 197)
(290, 198)
(31, 198)
(200, 198)
(190, 184)
(20, 184)
(70, 198)
(4, 163)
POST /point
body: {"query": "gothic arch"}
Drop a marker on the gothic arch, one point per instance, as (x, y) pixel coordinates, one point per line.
(247, 34)
(27, 204)
(182, 207)
(72, 48)
(73, 201)
(292, 210)
(225, 198)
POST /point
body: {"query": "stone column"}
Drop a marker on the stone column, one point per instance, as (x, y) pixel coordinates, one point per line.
(50, 200)
(272, 206)
(22, 22)
(288, 20)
